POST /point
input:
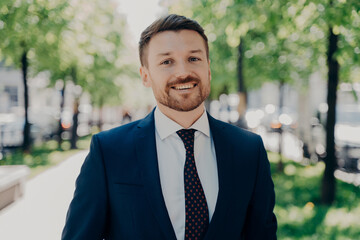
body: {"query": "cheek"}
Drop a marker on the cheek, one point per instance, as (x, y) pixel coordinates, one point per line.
(161, 78)
(157, 85)
(158, 74)
(207, 77)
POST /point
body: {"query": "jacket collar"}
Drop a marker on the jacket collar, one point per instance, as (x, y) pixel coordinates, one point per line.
(147, 155)
(224, 151)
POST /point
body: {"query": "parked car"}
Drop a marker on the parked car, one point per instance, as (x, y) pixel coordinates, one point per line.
(347, 137)
(43, 127)
(11, 129)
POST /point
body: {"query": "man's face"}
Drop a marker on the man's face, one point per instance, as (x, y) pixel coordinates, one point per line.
(178, 70)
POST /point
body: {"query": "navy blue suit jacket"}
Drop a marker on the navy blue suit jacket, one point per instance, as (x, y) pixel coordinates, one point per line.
(118, 193)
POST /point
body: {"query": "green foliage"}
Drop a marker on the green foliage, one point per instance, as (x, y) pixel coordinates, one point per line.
(299, 212)
(29, 26)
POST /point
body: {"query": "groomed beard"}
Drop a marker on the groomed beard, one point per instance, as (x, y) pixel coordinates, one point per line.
(185, 104)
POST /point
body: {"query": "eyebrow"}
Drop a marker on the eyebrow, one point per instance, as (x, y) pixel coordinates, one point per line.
(164, 54)
(196, 51)
(169, 53)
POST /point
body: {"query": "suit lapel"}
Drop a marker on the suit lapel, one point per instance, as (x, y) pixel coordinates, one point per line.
(147, 155)
(224, 152)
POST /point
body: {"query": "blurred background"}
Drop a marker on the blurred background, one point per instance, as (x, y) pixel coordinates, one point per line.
(287, 70)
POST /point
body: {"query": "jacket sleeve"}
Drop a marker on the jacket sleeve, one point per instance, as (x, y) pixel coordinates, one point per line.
(87, 214)
(260, 221)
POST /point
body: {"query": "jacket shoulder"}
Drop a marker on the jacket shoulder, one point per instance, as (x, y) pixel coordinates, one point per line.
(118, 131)
(236, 133)
(118, 137)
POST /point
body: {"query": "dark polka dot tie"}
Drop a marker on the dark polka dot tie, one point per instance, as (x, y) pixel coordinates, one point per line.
(196, 209)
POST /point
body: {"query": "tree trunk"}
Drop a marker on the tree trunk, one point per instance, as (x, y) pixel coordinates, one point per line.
(242, 92)
(280, 165)
(328, 182)
(101, 117)
(304, 129)
(60, 127)
(27, 138)
(74, 128)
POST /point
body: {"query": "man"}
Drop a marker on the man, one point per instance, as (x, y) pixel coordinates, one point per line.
(178, 173)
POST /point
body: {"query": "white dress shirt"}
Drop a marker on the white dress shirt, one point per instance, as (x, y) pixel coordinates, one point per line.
(171, 160)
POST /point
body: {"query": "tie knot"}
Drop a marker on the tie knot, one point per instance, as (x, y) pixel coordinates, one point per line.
(187, 136)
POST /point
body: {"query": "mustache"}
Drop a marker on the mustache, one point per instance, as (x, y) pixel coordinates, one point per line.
(183, 81)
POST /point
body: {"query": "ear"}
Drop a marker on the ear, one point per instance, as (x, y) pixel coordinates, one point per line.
(209, 71)
(144, 73)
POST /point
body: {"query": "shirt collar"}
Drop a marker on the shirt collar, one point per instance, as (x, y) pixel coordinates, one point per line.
(165, 126)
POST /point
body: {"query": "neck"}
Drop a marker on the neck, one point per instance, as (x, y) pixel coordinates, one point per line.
(184, 119)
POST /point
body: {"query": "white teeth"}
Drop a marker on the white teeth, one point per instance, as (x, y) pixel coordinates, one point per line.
(181, 87)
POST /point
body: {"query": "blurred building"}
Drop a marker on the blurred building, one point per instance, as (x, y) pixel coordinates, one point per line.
(10, 89)
(43, 106)
(11, 101)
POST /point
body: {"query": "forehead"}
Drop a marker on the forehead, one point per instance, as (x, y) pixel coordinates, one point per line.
(176, 41)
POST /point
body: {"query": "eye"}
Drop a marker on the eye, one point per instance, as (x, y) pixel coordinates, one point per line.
(194, 59)
(166, 62)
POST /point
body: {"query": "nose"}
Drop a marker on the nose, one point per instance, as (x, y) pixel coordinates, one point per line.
(182, 70)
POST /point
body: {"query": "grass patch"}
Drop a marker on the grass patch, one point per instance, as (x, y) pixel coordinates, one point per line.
(45, 155)
(299, 212)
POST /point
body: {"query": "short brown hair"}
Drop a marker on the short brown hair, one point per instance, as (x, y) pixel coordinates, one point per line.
(170, 22)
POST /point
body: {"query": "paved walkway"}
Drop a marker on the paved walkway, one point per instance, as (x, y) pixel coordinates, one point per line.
(40, 214)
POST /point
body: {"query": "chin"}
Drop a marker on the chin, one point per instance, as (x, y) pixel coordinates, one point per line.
(185, 108)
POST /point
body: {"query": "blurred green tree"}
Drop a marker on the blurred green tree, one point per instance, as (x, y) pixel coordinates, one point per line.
(339, 21)
(88, 54)
(331, 28)
(94, 45)
(26, 28)
(78, 41)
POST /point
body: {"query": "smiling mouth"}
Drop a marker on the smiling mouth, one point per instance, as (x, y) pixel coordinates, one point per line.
(184, 86)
